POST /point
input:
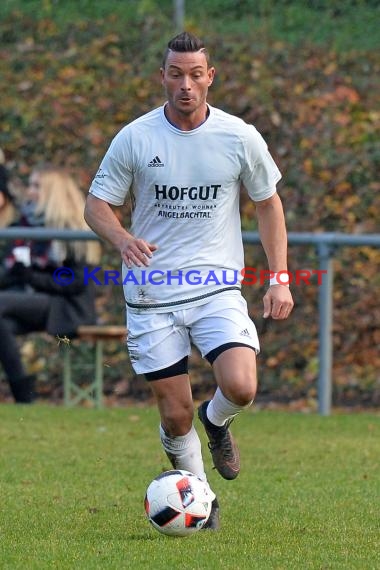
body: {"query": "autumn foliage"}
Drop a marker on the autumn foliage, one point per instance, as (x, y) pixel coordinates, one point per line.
(65, 92)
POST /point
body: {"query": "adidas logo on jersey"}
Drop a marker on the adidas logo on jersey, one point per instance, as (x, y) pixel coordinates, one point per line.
(245, 332)
(156, 162)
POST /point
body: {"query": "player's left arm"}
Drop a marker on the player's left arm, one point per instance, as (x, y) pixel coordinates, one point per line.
(278, 301)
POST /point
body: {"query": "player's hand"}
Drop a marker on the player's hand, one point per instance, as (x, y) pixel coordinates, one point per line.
(278, 302)
(136, 251)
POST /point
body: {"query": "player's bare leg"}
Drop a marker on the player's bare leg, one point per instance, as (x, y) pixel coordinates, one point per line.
(178, 435)
(235, 373)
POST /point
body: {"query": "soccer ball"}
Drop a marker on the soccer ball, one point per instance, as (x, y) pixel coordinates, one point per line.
(177, 503)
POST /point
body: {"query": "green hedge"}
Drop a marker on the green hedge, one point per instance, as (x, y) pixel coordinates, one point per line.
(68, 87)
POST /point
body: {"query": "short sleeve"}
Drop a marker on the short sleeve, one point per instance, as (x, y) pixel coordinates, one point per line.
(260, 173)
(115, 173)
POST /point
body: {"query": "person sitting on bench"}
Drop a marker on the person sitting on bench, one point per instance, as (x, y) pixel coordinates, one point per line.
(41, 282)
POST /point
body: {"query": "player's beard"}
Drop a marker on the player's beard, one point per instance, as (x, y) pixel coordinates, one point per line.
(194, 104)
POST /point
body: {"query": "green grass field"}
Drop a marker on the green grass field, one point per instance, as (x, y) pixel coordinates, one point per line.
(73, 482)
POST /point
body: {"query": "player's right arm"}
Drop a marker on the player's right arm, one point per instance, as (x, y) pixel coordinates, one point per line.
(103, 221)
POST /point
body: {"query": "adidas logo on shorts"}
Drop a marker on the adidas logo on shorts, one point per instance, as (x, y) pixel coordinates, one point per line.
(245, 332)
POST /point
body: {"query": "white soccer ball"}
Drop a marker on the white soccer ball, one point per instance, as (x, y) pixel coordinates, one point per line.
(177, 503)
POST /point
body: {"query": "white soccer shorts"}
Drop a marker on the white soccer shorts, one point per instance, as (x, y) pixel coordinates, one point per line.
(158, 340)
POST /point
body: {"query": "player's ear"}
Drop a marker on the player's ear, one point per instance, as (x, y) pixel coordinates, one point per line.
(162, 74)
(211, 75)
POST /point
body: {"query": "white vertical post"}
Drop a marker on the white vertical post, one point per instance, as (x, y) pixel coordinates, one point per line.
(179, 15)
(325, 329)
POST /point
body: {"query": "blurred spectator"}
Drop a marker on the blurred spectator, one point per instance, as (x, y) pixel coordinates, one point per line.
(33, 297)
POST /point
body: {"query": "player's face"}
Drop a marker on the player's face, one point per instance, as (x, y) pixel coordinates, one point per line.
(186, 79)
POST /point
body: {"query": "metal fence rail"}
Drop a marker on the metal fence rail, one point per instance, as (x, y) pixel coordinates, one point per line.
(325, 244)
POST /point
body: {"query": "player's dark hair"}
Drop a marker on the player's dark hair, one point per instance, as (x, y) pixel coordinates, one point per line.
(185, 42)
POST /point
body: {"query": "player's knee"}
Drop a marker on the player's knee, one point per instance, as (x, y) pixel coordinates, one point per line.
(244, 391)
(244, 397)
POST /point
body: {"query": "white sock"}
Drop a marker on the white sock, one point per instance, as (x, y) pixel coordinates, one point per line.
(220, 409)
(186, 452)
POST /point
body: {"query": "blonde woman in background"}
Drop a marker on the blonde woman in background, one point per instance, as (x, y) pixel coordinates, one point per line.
(34, 297)
(55, 198)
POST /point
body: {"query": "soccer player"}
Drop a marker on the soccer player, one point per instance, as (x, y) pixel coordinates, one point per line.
(184, 165)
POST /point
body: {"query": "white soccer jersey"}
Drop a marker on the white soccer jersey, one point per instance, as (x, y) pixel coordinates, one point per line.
(184, 187)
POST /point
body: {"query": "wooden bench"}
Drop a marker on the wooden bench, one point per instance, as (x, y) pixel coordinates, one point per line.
(73, 393)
